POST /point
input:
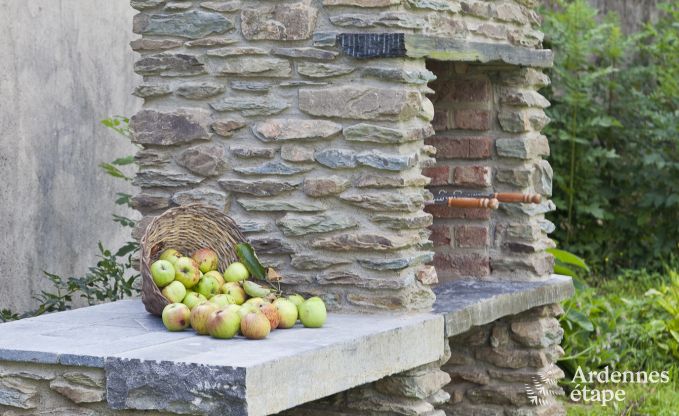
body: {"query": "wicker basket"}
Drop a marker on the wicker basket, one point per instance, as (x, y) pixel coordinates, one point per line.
(187, 229)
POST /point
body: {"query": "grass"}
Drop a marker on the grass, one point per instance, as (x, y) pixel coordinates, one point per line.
(641, 400)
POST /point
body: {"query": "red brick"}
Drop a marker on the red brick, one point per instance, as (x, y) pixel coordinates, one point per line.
(440, 235)
(462, 265)
(468, 236)
(440, 121)
(472, 119)
(440, 175)
(461, 147)
(470, 91)
(443, 211)
(472, 176)
(480, 147)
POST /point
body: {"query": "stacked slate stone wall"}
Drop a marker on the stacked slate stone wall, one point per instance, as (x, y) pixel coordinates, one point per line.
(306, 123)
(488, 121)
(507, 368)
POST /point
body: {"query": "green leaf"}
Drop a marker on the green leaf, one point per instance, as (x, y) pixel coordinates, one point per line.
(247, 256)
(127, 160)
(561, 269)
(580, 319)
(113, 171)
(568, 258)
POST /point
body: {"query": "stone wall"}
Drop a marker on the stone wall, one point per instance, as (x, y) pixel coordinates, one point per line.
(65, 66)
(488, 121)
(506, 368)
(270, 112)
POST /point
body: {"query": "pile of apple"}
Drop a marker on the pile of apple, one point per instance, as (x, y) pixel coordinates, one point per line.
(222, 305)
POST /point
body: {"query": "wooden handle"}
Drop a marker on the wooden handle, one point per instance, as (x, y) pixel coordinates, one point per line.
(517, 197)
(491, 203)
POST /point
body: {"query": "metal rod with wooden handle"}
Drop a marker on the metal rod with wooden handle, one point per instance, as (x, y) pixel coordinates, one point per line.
(510, 197)
(507, 197)
(490, 203)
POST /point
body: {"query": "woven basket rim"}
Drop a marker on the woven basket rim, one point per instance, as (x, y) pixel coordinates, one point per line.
(223, 234)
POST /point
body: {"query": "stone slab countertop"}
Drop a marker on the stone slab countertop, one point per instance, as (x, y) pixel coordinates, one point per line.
(148, 367)
(468, 303)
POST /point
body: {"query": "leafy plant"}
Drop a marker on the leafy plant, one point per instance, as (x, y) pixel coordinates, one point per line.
(614, 137)
(113, 277)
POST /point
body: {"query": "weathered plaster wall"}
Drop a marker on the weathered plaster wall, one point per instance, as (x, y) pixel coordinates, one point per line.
(65, 65)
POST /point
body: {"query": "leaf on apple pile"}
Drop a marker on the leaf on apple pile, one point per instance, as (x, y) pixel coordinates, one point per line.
(272, 275)
(247, 256)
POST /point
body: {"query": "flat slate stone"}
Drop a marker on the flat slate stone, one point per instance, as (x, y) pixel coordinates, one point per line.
(148, 367)
(447, 49)
(468, 303)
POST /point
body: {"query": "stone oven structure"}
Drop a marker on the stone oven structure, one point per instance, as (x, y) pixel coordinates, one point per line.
(324, 128)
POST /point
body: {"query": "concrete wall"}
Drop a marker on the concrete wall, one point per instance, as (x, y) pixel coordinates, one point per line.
(65, 65)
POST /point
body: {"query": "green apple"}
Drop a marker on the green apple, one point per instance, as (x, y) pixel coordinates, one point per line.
(207, 259)
(187, 272)
(287, 312)
(208, 286)
(223, 324)
(200, 315)
(246, 308)
(234, 308)
(170, 255)
(193, 299)
(176, 317)
(255, 325)
(216, 275)
(162, 272)
(222, 301)
(234, 290)
(255, 302)
(312, 312)
(236, 272)
(174, 292)
(296, 299)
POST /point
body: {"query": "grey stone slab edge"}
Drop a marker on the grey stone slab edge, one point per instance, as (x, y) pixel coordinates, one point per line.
(445, 49)
(468, 303)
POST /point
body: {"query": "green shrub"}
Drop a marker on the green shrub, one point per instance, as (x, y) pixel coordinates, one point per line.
(627, 323)
(614, 137)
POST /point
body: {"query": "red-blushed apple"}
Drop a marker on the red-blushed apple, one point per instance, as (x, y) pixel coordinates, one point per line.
(170, 255)
(271, 314)
(216, 275)
(193, 299)
(236, 272)
(200, 315)
(312, 312)
(222, 301)
(174, 292)
(255, 302)
(234, 290)
(207, 259)
(162, 272)
(223, 324)
(246, 308)
(176, 317)
(255, 325)
(287, 313)
(208, 286)
(187, 272)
